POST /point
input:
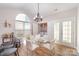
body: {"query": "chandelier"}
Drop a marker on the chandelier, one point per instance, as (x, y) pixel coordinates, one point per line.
(38, 18)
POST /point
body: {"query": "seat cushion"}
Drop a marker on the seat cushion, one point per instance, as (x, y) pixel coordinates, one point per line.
(7, 52)
(5, 47)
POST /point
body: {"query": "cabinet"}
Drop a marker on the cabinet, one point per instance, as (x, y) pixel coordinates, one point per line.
(42, 28)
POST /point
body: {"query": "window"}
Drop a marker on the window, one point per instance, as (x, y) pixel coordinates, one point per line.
(67, 31)
(56, 31)
(21, 17)
(19, 25)
(27, 26)
(22, 22)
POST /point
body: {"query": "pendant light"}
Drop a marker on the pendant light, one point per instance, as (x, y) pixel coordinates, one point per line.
(38, 18)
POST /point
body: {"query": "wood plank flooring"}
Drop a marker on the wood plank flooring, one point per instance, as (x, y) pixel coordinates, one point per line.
(26, 50)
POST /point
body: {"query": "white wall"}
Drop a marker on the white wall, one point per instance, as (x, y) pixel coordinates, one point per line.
(35, 28)
(9, 15)
(60, 17)
(50, 30)
(78, 29)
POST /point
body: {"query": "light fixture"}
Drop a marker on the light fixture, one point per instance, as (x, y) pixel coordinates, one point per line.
(38, 18)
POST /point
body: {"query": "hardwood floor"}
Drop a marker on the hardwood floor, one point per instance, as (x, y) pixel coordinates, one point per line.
(26, 50)
(42, 51)
(39, 51)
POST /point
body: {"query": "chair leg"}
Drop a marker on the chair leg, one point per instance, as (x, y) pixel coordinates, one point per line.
(16, 53)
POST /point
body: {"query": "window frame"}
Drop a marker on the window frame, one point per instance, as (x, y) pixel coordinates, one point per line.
(67, 32)
(23, 24)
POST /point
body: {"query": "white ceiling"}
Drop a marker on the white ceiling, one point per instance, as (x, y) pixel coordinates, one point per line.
(46, 9)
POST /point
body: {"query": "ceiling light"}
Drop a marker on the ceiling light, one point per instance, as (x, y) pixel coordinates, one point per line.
(38, 18)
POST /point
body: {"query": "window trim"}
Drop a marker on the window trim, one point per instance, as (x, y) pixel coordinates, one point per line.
(58, 30)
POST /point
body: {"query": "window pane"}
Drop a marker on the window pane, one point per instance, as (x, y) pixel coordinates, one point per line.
(27, 26)
(67, 31)
(21, 17)
(19, 25)
(56, 31)
(27, 19)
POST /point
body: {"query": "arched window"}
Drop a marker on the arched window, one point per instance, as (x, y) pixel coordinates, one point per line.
(22, 22)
